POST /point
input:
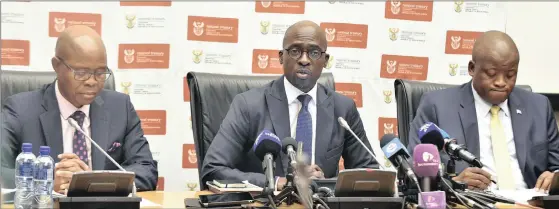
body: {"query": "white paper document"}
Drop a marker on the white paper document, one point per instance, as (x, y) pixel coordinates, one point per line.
(147, 203)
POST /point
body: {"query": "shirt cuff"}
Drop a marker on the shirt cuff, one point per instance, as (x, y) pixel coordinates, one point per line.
(276, 184)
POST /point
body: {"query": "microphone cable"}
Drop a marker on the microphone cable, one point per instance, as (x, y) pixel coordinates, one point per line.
(454, 193)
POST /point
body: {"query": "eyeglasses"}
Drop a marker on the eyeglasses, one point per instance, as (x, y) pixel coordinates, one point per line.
(84, 74)
(297, 52)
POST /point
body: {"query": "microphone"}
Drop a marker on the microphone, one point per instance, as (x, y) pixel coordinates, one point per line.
(344, 124)
(426, 161)
(397, 153)
(289, 145)
(431, 134)
(74, 124)
(267, 147)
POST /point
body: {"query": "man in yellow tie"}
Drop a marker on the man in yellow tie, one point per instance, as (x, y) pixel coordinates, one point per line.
(511, 130)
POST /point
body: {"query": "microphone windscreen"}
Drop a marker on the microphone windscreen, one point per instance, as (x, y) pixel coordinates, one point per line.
(430, 133)
(426, 160)
(386, 139)
(288, 141)
(394, 147)
(267, 142)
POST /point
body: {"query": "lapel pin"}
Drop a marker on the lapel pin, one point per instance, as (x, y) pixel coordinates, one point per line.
(518, 112)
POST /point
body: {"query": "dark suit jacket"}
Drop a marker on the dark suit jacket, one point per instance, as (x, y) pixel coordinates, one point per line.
(34, 117)
(533, 125)
(230, 156)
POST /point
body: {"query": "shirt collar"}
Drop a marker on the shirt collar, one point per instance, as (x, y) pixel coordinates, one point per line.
(67, 108)
(485, 107)
(293, 92)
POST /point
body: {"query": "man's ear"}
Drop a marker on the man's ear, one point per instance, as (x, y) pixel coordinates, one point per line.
(280, 53)
(471, 67)
(54, 62)
(327, 57)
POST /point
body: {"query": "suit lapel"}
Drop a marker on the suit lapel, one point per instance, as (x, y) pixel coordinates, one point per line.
(51, 122)
(324, 124)
(468, 119)
(279, 114)
(520, 128)
(99, 132)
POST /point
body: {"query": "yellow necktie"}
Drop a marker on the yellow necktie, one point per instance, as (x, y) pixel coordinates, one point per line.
(501, 154)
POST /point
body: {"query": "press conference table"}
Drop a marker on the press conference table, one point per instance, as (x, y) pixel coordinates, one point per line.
(176, 200)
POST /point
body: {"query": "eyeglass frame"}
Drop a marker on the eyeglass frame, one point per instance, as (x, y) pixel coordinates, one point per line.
(108, 72)
(304, 51)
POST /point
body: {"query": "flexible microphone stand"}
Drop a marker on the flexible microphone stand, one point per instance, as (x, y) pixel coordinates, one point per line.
(287, 192)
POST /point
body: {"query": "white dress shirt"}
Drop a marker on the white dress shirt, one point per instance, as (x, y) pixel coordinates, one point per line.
(486, 150)
(295, 105)
(66, 110)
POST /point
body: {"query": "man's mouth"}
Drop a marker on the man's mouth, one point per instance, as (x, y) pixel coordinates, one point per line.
(303, 73)
(89, 94)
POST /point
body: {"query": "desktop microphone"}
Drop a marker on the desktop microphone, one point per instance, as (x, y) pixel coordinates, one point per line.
(267, 147)
(430, 133)
(397, 153)
(426, 161)
(289, 147)
(344, 124)
(74, 124)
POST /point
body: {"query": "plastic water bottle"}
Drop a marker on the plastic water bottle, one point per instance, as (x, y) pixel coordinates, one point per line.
(24, 177)
(43, 179)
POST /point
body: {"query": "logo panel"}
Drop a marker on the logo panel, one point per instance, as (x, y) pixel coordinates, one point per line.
(189, 159)
(141, 56)
(213, 29)
(404, 67)
(346, 35)
(146, 3)
(285, 7)
(387, 126)
(59, 21)
(460, 42)
(409, 10)
(351, 90)
(154, 122)
(15, 52)
(266, 61)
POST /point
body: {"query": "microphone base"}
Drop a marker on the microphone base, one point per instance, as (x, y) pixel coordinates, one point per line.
(96, 202)
(364, 202)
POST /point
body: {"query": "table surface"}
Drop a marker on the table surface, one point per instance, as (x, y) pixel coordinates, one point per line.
(176, 200)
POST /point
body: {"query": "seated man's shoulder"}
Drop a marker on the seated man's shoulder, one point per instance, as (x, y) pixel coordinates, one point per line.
(254, 94)
(24, 100)
(446, 95)
(530, 97)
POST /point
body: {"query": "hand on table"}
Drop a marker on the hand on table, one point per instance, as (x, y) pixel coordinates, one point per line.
(544, 182)
(315, 172)
(475, 178)
(312, 171)
(63, 171)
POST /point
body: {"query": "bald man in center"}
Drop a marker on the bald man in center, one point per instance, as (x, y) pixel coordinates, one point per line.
(41, 117)
(512, 131)
(294, 105)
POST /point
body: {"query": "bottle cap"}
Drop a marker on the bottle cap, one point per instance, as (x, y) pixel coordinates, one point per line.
(44, 150)
(27, 147)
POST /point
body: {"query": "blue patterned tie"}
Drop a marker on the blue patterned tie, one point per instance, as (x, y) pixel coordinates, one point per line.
(304, 126)
(78, 142)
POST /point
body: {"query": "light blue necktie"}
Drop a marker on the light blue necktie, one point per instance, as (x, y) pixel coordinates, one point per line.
(304, 126)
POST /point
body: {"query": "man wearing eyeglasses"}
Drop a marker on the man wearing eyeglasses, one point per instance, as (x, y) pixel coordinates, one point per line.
(42, 117)
(295, 106)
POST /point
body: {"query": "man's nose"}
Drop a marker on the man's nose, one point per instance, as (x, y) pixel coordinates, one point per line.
(304, 60)
(91, 81)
